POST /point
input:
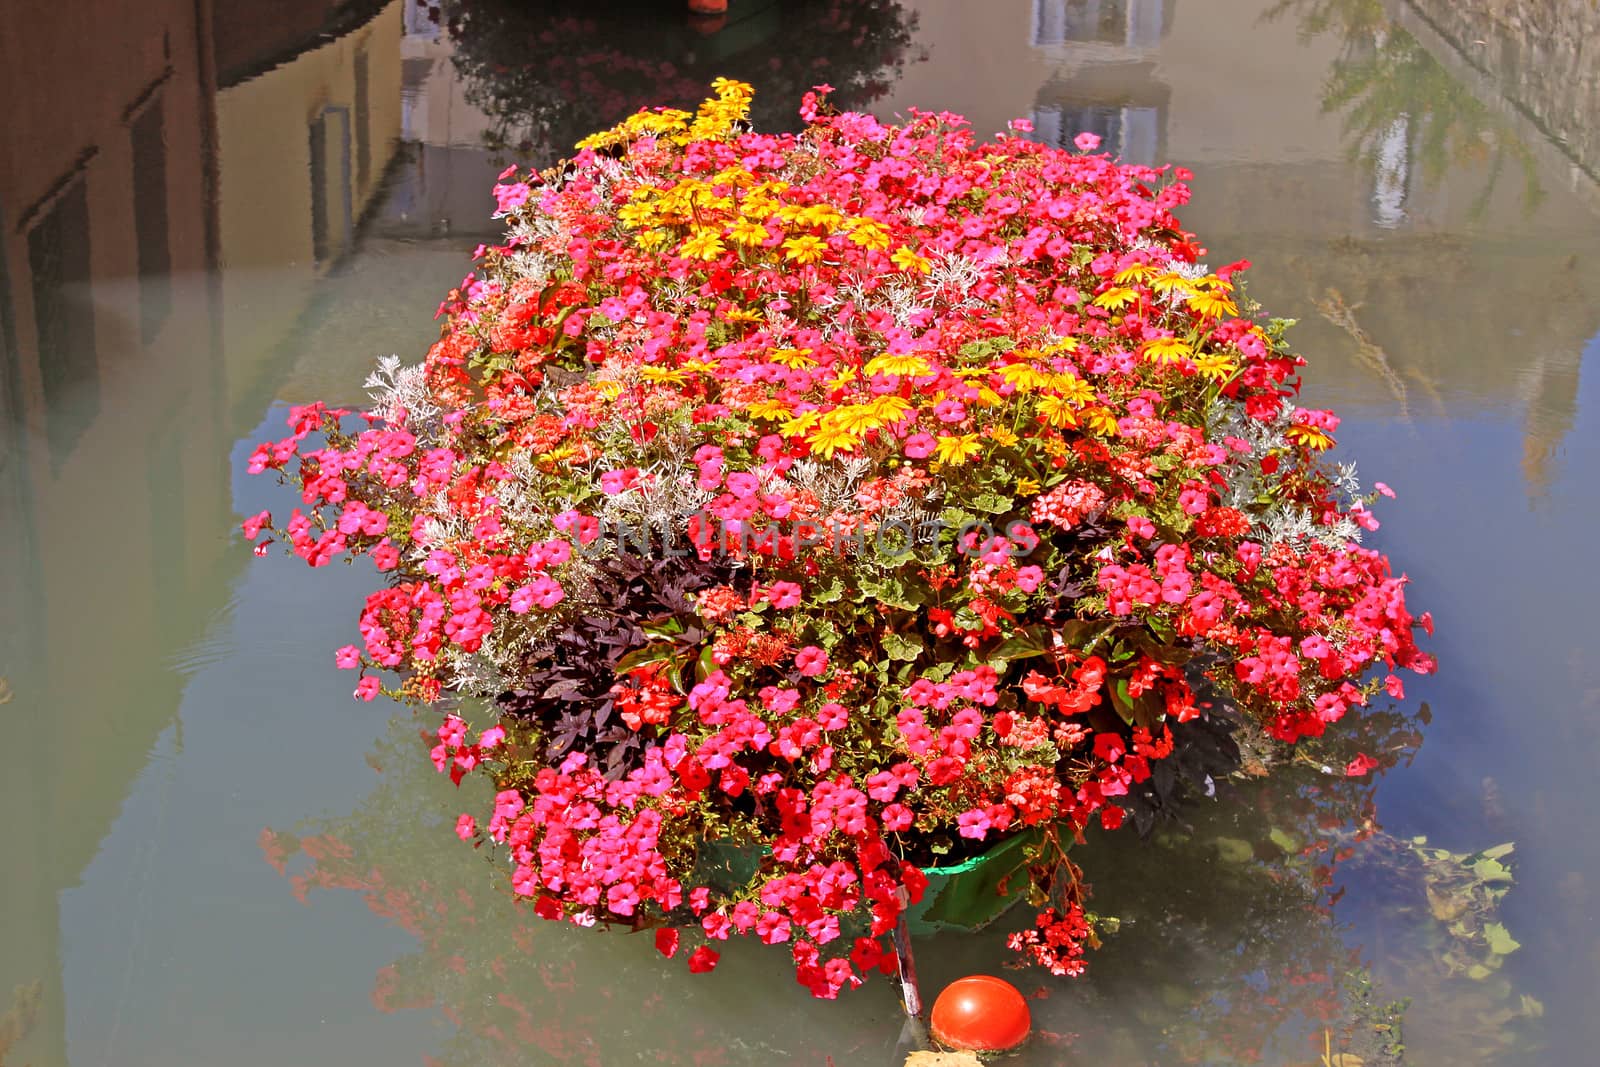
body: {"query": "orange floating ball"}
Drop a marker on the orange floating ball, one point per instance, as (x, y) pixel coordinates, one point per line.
(981, 1013)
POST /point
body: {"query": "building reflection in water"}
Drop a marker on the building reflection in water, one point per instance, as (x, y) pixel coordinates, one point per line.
(1131, 23)
(1116, 95)
(177, 179)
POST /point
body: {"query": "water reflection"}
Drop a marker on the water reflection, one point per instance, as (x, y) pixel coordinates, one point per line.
(548, 74)
(1225, 949)
(244, 203)
(1406, 118)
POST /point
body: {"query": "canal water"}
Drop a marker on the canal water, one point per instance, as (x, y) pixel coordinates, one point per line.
(211, 855)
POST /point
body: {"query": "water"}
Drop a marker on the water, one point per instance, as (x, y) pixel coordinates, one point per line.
(210, 211)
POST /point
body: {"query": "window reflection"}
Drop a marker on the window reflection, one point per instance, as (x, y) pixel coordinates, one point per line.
(1131, 23)
(1132, 133)
(58, 259)
(332, 214)
(148, 132)
(1391, 179)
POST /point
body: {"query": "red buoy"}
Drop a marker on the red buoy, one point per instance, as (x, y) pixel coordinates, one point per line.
(981, 1013)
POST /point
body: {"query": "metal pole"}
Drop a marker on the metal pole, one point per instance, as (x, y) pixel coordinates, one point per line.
(909, 992)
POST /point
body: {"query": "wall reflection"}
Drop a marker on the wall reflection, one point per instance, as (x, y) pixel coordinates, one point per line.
(143, 205)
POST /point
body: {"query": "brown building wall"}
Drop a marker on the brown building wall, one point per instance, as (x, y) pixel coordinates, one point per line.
(250, 38)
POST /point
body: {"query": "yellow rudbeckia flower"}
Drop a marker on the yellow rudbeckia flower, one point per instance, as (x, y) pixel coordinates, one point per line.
(830, 439)
(1116, 298)
(903, 366)
(702, 244)
(910, 262)
(956, 450)
(1167, 350)
(1216, 366)
(807, 248)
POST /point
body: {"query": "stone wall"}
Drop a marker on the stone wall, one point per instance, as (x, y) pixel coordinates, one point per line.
(1543, 54)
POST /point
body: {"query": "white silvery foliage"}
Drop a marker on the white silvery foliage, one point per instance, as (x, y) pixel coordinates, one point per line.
(443, 522)
(833, 484)
(1282, 523)
(662, 500)
(398, 390)
(952, 270)
(520, 502)
(900, 299)
(1346, 482)
(478, 672)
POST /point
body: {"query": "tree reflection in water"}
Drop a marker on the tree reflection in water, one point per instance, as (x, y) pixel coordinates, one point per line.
(548, 73)
(1403, 109)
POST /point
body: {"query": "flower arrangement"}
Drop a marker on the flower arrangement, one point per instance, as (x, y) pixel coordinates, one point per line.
(849, 502)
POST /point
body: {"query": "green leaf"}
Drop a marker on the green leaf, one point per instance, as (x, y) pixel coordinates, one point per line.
(974, 898)
(1488, 870)
(989, 503)
(641, 656)
(667, 628)
(1234, 850)
(828, 594)
(1284, 840)
(903, 647)
(1020, 645)
(1501, 943)
(1120, 700)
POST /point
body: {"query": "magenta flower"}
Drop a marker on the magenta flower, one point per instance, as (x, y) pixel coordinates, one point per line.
(811, 661)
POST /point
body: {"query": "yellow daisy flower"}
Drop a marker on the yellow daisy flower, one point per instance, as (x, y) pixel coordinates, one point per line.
(792, 357)
(1133, 274)
(830, 439)
(1116, 298)
(957, 450)
(868, 234)
(1216, 366)
(1023, 377)
(903, 366)
(748, 231)
(1058, 411)
(908, 261)
(1002, 436)
(1309, 436)
(1213, 305)
(1167, 350)
(702, 244)
(804, 249)
(800, 424)
(768, 409)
